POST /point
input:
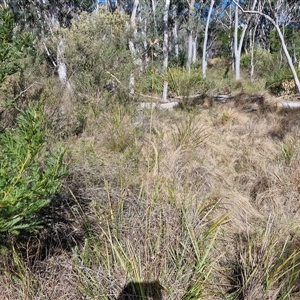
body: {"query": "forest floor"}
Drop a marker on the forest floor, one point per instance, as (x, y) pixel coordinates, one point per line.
(204, 201)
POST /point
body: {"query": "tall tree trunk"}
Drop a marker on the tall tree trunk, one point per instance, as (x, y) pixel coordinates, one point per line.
(204, 53)
(166, 46)
(190, 36)
(175, 34)
(154, 13)
(61, 66)
(252, 48)
(194, 50)
(131, 45)
(288, 57)
(238, 43)
(237, 54)
(281, 37)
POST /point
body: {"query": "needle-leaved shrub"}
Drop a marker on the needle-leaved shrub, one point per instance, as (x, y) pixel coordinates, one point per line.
(30, 174)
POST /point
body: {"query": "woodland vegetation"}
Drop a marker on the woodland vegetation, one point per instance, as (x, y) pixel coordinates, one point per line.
(104, 194)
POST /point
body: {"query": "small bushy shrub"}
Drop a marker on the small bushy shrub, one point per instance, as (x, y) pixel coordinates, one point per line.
(15, 47)
(281, 82)
(96, 53)
(263, 61)
(29, 174)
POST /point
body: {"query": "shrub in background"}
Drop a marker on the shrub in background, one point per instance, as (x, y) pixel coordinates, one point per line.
(30, 174)
(14, 47)
(96, 53)
(263, 62)
(281, 82)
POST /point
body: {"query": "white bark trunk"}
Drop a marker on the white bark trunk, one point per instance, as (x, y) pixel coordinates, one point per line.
(190, 51)
(281, 37)
(194, 50)
(204, 53)
(252, 48)
(190, 38)
(238, 44)
(131, 45)
(175, 34)
(288, 57)
(154, 13)
(237, 57)
(166, 47)
(61, 66)
(252, 37)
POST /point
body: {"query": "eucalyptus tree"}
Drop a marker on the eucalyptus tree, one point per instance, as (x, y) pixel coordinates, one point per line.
(204, 51)
(166, 45)
(40, 15)
(278, 12)
(15, 47)
(239, 40)
(191, 34)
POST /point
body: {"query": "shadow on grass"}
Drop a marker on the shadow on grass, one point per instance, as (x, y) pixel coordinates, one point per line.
(141, 291)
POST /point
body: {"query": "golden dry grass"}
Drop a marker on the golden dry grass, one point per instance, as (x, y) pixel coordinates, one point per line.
(206, 202)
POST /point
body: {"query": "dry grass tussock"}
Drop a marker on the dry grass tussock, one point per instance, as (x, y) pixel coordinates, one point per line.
(205, 202)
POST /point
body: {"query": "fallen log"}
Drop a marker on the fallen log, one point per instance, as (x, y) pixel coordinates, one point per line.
(239, 98)
(223, 98)
(159, 105)
(189, 97)
(288, 104)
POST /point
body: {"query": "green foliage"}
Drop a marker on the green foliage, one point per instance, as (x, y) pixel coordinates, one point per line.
(14, 47)
(263, 61)
(188, 135)
(281, 82)
(268, 262)
(29, 174)
(183, 83)
(36, 15)
(180, 82)
(292, 39)
(96, 52)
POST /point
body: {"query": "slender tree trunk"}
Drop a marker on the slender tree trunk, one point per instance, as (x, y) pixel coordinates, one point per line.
(281, 37)
(175, 34)
(61, 66)
(204, 53)
(252, 38)
(154, 13)
(131, 45)
(252, 49)
(237, 55)
(166, 47)
(194, 50)
(190, 36)
(288, 57)
(238, 43)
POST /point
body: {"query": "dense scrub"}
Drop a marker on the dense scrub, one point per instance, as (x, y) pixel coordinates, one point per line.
(199, 202)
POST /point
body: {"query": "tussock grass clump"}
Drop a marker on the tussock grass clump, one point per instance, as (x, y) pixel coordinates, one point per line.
(196, 205)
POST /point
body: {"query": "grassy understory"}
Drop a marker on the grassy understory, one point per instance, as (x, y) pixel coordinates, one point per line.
(204, 202)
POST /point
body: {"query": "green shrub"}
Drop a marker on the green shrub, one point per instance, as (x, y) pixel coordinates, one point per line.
(281, 82)
(180, 83)
(263, 61)
(29, 173)
(96, 53)
(14, 47)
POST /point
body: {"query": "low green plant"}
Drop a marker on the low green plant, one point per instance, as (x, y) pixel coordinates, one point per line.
(188, 134)
(263, 61)
(204, 264)
(30, 174)
(287, 150)
(281, 82)
(14, 46)
(268, 264)
(182, 83)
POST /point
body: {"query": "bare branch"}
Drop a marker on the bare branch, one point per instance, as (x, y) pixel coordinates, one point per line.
(255, 12)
